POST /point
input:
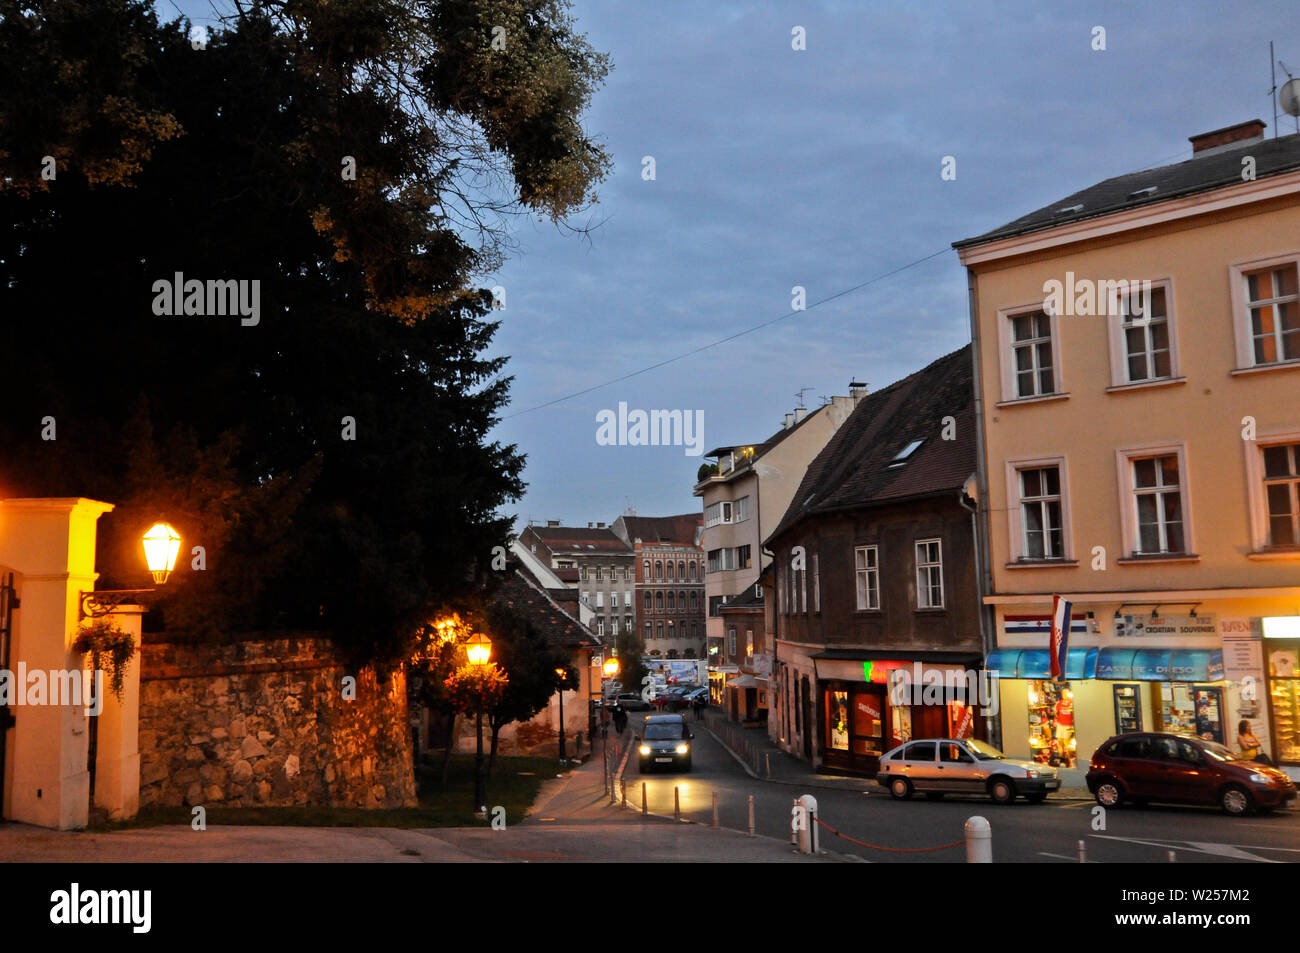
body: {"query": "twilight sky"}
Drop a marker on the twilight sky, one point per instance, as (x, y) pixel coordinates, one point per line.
(821, 168)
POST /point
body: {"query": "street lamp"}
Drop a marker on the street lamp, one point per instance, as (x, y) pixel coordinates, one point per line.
(162, 544)
(564, 680)
(479, 650)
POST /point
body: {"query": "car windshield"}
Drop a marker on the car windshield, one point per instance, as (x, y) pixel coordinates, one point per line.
(1218, 752)
(670, 732)
(983, 750)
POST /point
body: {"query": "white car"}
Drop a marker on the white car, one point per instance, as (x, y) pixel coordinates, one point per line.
(939, 766)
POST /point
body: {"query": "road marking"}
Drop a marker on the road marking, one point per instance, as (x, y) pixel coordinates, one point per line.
(1202, 847)
(1064, 857)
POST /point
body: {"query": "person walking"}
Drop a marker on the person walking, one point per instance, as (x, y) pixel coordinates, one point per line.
(698, 704)
(620, 719)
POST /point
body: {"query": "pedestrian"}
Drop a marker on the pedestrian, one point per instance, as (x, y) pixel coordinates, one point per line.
(699, 707)
(620, 719)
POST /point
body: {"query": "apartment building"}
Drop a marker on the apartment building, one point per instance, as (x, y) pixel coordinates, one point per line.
(1137, 369)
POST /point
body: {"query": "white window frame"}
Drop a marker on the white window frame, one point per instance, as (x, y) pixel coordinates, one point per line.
(600, 598)
(740, 510)
(600, 625)
(613, 599)
(1015, 525)
(867, 572)
(1117, 342)
(731, 641)
(1128, 499)
(1241, 310)
(816, 583)
(613, 626)
(1006, 358)
(1257, 498)
(916, 551)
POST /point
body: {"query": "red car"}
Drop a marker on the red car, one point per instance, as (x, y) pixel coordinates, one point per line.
(1145, 766)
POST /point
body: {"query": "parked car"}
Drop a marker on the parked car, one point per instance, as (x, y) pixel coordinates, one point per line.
(631, 701)
(939, 766)
(665, 740)
(1147, 766)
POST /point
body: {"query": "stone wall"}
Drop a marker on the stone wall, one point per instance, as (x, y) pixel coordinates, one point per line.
(265, 723)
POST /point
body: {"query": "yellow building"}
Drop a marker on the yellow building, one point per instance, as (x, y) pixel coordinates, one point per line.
(1137, 349)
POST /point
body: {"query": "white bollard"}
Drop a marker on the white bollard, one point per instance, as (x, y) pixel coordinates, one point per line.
(979, 841)
(751, 815)
(808, 824)
(794, 834)
(1083, 852)
(1173, 857)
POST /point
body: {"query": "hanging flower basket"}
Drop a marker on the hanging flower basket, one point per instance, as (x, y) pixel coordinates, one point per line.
(110, 648)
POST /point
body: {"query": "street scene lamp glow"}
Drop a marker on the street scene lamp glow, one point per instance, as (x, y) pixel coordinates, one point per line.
(479, 649)
(611, 668)
(162, 544)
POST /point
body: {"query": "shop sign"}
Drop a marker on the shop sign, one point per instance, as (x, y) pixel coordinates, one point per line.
(1136, 626)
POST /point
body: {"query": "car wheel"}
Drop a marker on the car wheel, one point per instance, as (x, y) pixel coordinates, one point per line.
(1002, 790)
(1109, 793)
(1234, 800)
(1035, 798)
(934, 795)
(900, 788)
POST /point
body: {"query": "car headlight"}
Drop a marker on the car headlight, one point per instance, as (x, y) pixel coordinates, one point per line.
(1031, 773)
(1260, 778)
(682, 749)
(644, 749)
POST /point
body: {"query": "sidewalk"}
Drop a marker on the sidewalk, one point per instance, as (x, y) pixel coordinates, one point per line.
(764, 761)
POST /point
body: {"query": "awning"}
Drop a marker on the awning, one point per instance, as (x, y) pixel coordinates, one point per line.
(744, 681)
(1161, 665)
(1037, 663)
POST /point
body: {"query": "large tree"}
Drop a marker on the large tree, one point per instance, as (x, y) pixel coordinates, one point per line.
(331, 458)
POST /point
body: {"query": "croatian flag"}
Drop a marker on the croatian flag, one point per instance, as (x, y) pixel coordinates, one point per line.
(1060, 644)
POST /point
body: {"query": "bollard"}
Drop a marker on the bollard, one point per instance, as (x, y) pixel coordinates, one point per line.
(643, 805)
(1083, 852)
(794, 834)
(715, 808)
(979, 841)
(767, 764)
(623, 788)
(1173, 857)
(751, 815)
(808, 827)
(677, 803)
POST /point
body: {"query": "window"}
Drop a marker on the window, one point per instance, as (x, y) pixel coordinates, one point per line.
(1282, 493)
(600, 599)
(749, 645)
(646, 604)
(743, 559)
(659, 571)
(929, 575)
(694, 599)
(649, 632)
(600, 625)
(659, 629)
(1274, 308)
(645, 569)
(1033, 359)
(1158, 498)
(731, 642)
(672, 600)
(613, 600)
(613, 626)
(670, 571)
(816, 587)
(867, 571)
(681, 600)
(670, 629)
(600, 573)
(716, 513)
(716, 603)
(681, 571)
(659, 601)
(721, 559)
(692, 570)
(1143, 333)
(780, 593)
(583, 574)
(1040, 513)
(740, 510)
(627, 600)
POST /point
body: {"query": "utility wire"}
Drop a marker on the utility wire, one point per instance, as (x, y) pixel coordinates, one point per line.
(730, 337)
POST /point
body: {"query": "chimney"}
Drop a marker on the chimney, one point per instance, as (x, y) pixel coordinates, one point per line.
(857, 391)
(552, 522)
(800, 413)
(789, 420)
(590, 525)
(600, 526)
(1220, 140)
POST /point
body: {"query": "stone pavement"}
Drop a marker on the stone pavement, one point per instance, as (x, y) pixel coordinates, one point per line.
(764, 761)
(572, 821)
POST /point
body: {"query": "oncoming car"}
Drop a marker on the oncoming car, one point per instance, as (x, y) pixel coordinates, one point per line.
(939, 766)
(665, 741)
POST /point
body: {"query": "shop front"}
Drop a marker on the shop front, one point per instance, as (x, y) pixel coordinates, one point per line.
(864, 709)
(1049, 707)
(1282, 650)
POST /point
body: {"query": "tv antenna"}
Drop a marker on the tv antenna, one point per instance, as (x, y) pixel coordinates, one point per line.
(799, 395)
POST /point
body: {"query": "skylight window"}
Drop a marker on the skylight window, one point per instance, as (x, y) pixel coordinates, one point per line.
(902, 456)
(1142, 193)
(1069, 209)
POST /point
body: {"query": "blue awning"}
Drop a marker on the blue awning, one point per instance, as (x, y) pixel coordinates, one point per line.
(1160, 665)
(1037, 663)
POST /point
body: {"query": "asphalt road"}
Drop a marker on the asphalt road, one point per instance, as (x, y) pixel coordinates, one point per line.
(1022, 832)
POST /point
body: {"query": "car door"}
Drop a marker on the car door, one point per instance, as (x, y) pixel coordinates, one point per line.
(1187, 776)
(957, 768)
(920, 767)
(1130, 761)
(1167, 775)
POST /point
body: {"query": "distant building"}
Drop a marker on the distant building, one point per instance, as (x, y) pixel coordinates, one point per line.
(669, 574)
(596, 562)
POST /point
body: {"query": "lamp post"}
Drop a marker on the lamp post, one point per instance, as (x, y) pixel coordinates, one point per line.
(610, 669)
(479, 651)
(564, 680)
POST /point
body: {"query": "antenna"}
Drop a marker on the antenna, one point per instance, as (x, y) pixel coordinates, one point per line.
(1289, 97)
(799, 395)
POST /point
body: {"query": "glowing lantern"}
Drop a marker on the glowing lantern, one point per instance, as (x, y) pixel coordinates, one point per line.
(162, 544)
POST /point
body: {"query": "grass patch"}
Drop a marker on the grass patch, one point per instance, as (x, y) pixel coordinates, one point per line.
(513, 784)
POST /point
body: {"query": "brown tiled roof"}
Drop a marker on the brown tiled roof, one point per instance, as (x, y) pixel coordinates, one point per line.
(1198, 174)
(853, 469)
(678, 529)
(524, 595)
(577, 540)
